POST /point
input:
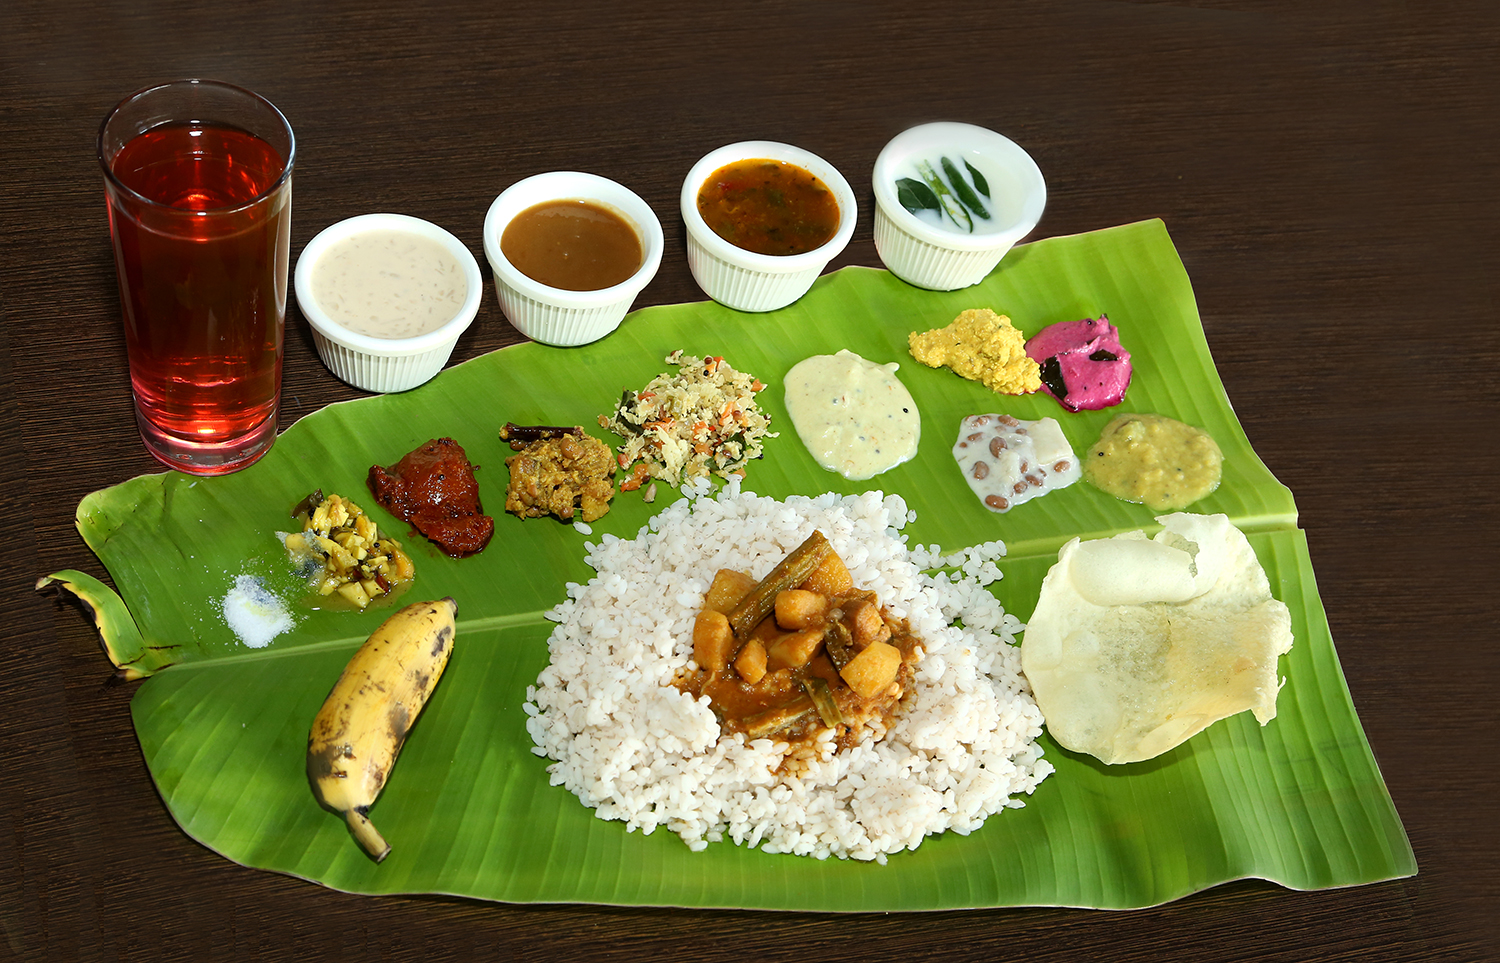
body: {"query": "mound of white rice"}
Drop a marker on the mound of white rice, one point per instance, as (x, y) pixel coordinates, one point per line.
(636, 748)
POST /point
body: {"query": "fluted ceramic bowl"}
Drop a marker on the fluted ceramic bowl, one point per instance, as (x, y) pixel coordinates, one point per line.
(554, 315)
(745, 280)
(928, 249)
(385, 364)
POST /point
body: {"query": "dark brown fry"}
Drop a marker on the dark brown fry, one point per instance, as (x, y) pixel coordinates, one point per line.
(520, 435)
(308, 505)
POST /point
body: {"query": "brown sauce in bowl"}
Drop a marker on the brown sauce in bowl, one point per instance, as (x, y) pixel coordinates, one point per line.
(769, 207)
(574, 245)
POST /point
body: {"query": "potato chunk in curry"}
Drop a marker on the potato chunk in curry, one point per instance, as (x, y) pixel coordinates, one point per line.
(799, 652)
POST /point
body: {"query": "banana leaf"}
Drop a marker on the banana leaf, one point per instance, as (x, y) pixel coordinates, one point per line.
(469, 809)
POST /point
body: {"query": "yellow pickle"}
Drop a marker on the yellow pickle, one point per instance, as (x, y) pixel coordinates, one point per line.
(341, 552)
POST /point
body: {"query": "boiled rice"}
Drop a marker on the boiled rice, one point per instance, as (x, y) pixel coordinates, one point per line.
(637, 749)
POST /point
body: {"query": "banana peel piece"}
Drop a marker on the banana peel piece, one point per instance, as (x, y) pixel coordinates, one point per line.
(133, 656)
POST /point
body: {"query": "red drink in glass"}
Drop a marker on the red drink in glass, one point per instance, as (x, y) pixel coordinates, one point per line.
(200, 216)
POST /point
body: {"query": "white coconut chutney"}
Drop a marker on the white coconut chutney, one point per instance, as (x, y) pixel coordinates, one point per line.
(852, 414)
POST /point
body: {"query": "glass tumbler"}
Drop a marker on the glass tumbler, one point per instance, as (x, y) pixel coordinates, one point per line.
(198, 179)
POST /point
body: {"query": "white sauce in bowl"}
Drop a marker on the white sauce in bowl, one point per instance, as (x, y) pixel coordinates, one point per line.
(852, 414)
(389, 284)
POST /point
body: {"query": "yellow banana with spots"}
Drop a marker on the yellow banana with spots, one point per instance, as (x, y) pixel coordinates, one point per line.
(358, 733)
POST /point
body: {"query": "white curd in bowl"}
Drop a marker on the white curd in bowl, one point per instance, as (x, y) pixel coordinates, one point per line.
(927, 249)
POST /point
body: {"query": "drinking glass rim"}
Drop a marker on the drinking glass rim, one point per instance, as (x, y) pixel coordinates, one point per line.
(275, 186)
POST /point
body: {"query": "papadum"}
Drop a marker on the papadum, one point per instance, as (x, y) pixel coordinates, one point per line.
(1138, 644)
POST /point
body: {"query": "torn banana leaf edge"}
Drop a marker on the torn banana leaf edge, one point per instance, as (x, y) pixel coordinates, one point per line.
(134, 657)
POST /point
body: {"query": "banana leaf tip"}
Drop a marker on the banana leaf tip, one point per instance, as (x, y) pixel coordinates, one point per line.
(119, 635)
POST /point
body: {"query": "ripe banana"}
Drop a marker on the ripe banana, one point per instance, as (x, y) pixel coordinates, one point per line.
(358, 733)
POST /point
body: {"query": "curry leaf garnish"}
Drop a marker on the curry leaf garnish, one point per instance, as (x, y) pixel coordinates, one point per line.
(980, 184)
(965, 193)
(916, 196)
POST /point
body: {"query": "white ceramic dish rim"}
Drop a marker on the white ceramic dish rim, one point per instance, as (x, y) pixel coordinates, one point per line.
(769, 263)
(960, 137)
(573, 185)
(387, 347)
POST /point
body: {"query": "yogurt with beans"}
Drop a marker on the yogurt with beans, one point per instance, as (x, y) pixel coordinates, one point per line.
(1008, 462)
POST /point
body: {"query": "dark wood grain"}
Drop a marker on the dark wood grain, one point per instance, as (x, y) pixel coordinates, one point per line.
(1326, 170)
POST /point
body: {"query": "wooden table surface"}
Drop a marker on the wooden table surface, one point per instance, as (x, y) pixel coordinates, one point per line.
(1326, 171)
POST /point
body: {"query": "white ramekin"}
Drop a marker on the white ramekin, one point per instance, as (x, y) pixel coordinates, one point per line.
(742, 279)
(385, 364)
(929, 256)
(552, 315)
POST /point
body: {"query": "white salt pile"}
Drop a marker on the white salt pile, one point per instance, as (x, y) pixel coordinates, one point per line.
(255, 615)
